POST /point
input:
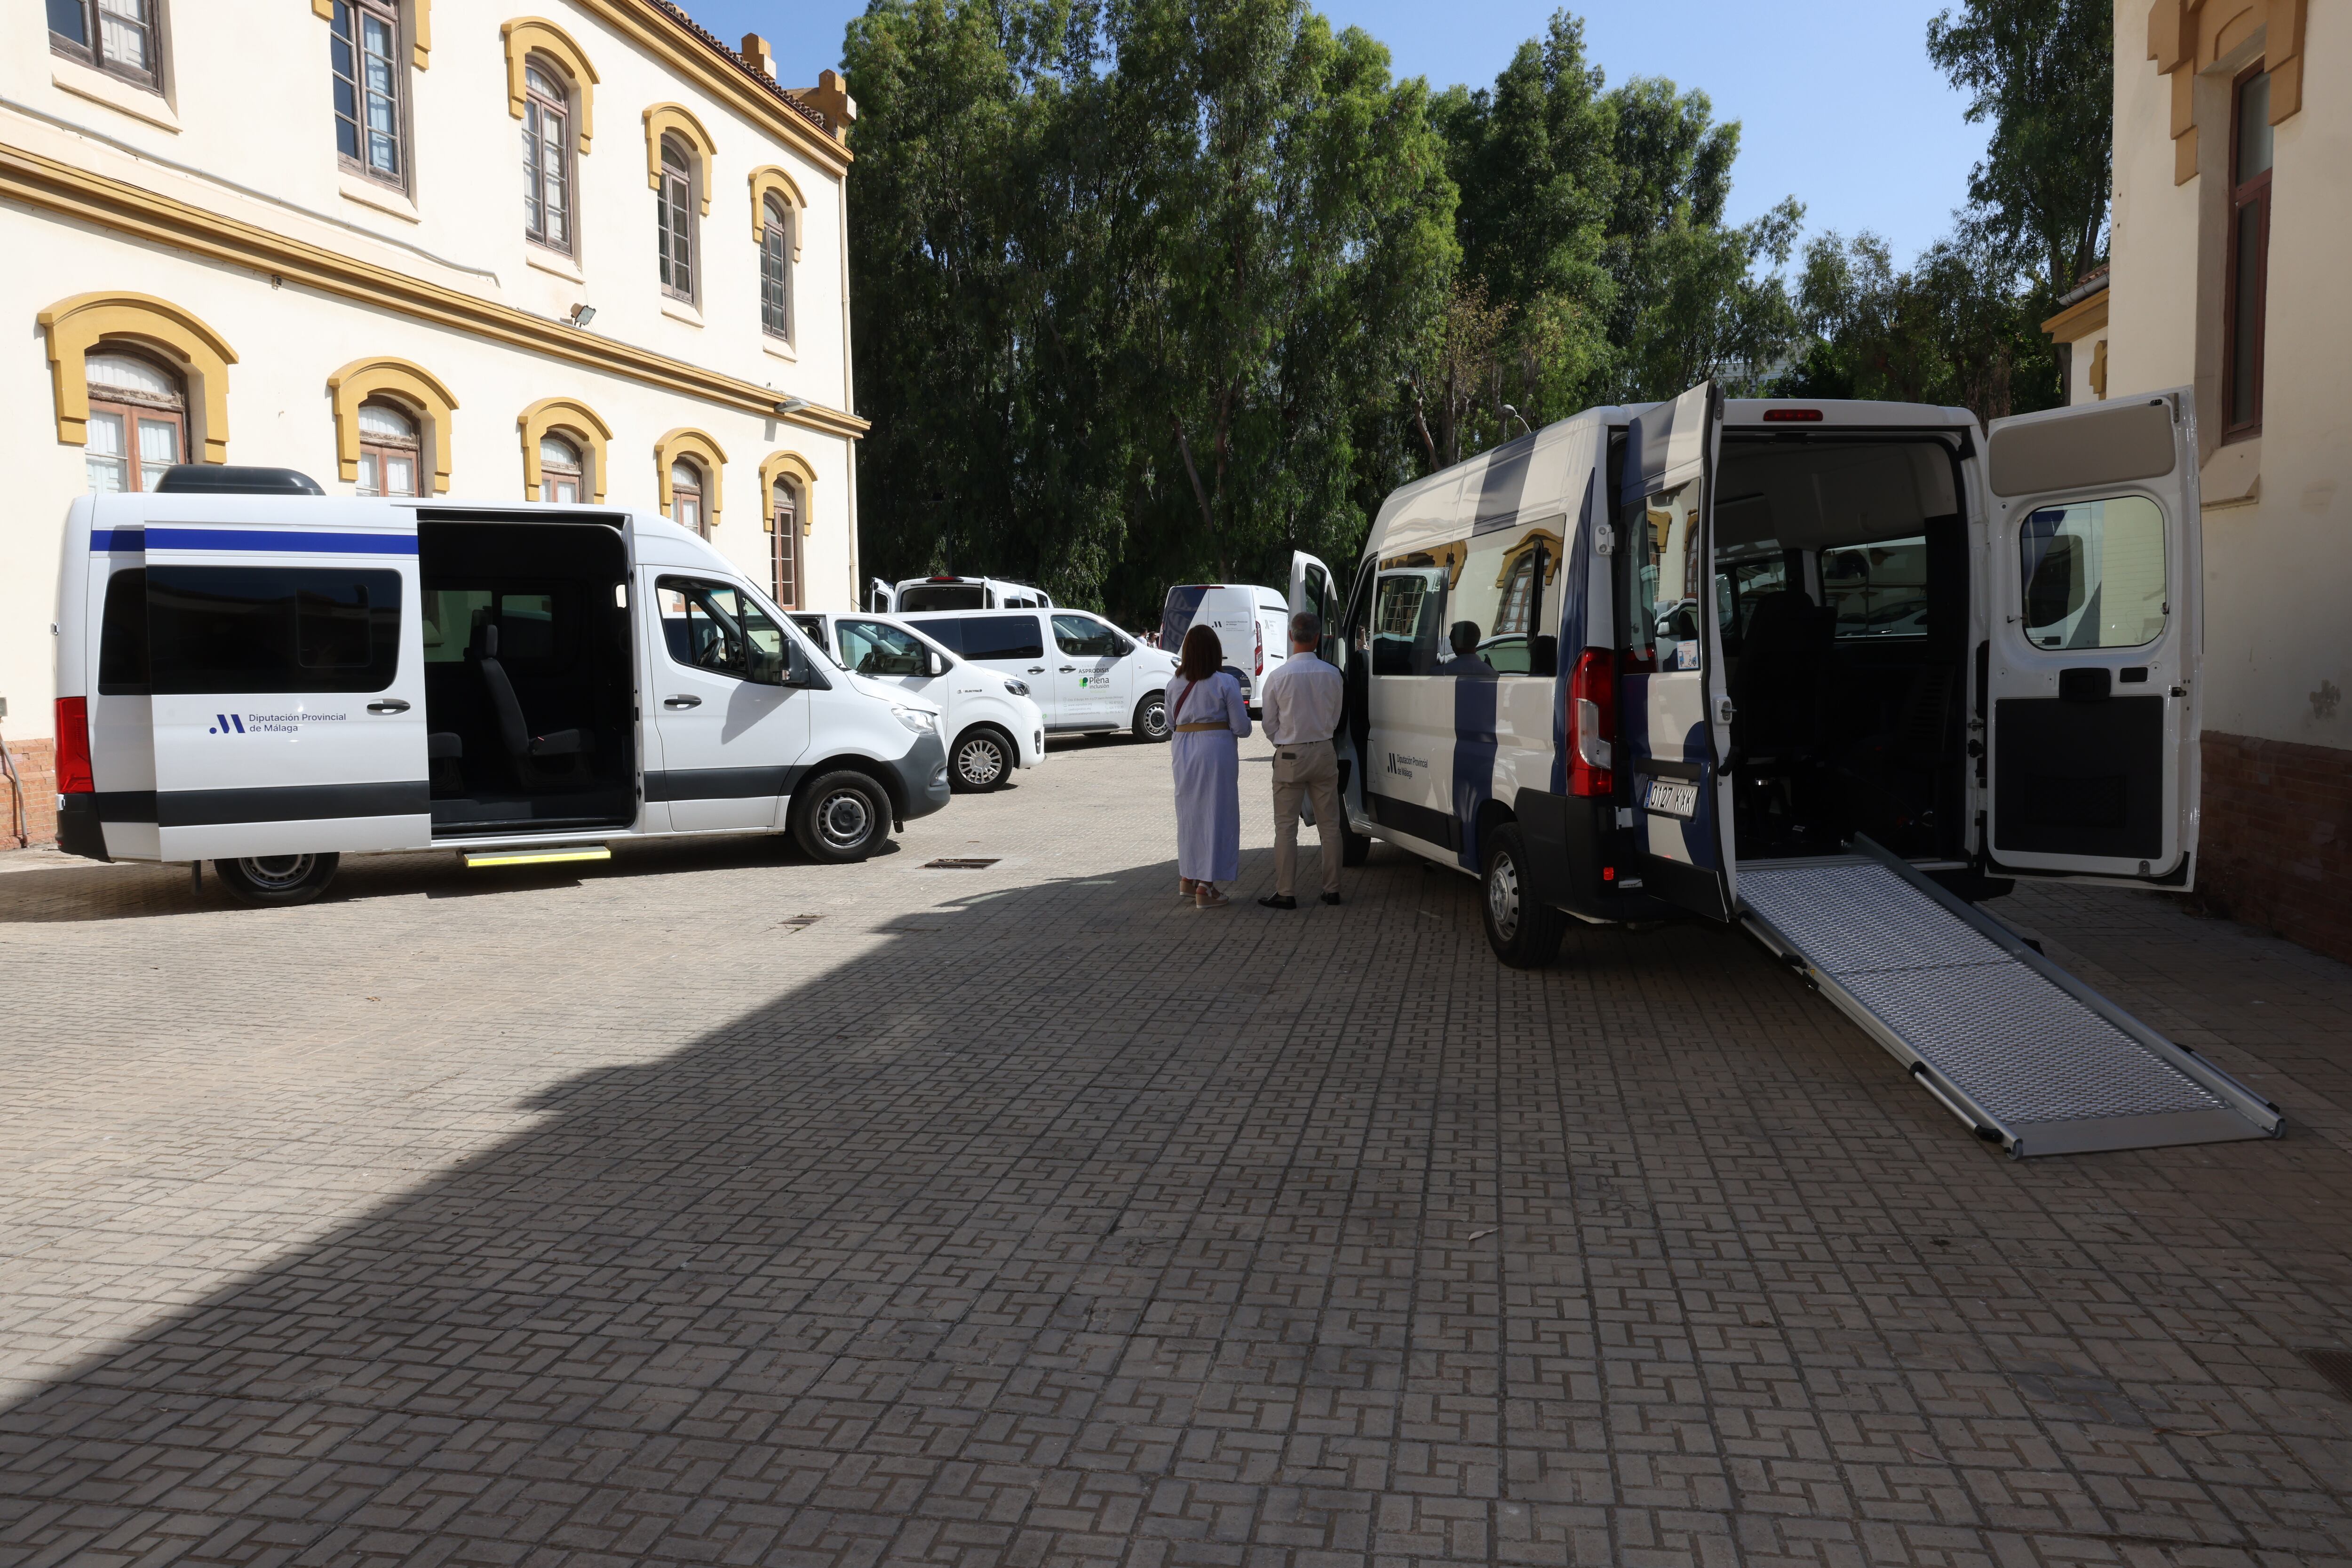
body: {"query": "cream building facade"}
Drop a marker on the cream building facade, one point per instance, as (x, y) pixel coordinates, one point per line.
(2232, 222)
(579, 251)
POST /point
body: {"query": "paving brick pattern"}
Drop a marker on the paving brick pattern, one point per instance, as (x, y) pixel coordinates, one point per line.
(1025, 1216)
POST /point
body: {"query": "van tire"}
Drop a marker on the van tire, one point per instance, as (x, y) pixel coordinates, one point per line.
(1150, 722)
(1524, 932)
(268, 880)
(840, 817)
(1355, 848)
(983, 760)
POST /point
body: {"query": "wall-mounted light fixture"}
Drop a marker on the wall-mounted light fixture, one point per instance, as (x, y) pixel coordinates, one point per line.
(792, 404)
(582, 315)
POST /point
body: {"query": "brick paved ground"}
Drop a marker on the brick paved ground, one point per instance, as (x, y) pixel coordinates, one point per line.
(1023, 1216)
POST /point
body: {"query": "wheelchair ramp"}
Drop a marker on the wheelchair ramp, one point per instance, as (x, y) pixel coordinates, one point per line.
(2021, 1051)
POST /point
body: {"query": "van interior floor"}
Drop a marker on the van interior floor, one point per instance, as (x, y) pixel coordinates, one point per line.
(527, 691)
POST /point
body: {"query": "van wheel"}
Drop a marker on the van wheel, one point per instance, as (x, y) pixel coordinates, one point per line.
(840, 817)
(983, 761)
(1524, 932)
(1355, 848)
(1150, 723)
(277, 878)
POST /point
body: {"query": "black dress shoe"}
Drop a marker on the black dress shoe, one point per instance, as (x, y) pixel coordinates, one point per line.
(1279, 901)
(1331, 898)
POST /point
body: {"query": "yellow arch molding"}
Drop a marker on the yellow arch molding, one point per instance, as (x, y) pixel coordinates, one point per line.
(409, 384)
(574, 418)
(78, 324)
(683, 442)
(678, 117)
(772, 181)
(527, 36)
(792, 466)
(420, 28)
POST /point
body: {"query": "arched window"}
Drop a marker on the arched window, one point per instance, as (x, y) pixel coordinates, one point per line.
(675, 201)
(370, 123)
(138, 421)
(784, 522)
(776, 271)
(685, 498)
(546, 157)
(563, 477)
(388, 449)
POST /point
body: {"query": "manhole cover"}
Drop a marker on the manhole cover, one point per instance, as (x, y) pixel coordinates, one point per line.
(968, 864)
(2336, 1366)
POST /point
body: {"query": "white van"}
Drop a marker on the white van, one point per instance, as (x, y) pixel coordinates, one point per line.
(270, 682)
(1706, 634)
(1087, 675)
(992, 723)
(1251, 624)
(950, 593)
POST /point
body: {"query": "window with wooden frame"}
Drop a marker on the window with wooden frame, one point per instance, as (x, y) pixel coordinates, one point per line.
(784, 554)
(675, 214)
(2246, 297)
(116, 35)
(685, 507)
(776, 270)
(371, 133)
(389, 449)
(562, 474)
(138, 421)
(546, 157)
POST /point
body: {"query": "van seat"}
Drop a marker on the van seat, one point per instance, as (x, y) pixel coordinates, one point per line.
(522, 745)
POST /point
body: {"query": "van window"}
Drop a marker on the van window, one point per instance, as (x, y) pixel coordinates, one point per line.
(718, 627)
(1408, 614)
(941, 596)
(122, 636)
(1879, 590)
(272, 628)
(872, 648)
(449, 618)
(2093, 574)
(1667, 582)
(1176, 614)
(989, 637)
(1509, 591)
(1083, 637)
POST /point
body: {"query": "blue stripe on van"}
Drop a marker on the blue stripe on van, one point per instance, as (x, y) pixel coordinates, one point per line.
(276, 540)
(1475, 744)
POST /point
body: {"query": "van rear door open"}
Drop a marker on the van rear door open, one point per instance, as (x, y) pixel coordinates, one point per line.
(2089, 703)
(1675, 707)
(285, 669)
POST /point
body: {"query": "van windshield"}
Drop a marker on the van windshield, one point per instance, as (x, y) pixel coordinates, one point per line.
(1176, 616)
(941, 596)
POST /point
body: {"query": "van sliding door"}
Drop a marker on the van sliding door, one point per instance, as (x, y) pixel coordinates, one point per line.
(1675, 707)
(2091, 674)
(286, 659)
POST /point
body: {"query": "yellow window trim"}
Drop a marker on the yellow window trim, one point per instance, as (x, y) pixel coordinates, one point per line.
(683, 442)
(409, 384)
(676, 118)
(527, 36)
(75, 326)
(783, 465)
(769, 181)
(567, 417)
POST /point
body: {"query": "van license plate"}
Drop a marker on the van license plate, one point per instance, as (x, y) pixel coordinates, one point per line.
(1673, 797)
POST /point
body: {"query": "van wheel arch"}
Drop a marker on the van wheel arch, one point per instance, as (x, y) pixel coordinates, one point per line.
(882, 777)
(1008, 748)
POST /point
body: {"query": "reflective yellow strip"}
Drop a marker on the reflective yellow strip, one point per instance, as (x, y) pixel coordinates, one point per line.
(537, 857)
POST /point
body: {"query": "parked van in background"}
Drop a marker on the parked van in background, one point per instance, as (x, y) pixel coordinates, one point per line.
(946, 592)
(1251, 624)
(1087, 675)
(992, 723)
(272, 680)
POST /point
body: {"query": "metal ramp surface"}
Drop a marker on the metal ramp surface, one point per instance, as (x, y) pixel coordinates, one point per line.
(2024, 1054)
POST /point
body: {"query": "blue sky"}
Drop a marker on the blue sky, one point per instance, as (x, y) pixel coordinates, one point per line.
(1837, 102)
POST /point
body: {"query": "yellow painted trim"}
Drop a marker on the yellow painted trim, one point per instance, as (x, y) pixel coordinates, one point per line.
(2079, 320)
(74, 326)
(81, 196)
(724, 78)
(764, 181)
(535, 857)
(683, 442)
(405, 382)
(668, 118)
(527, 36)
(574, 418)
(776, 466)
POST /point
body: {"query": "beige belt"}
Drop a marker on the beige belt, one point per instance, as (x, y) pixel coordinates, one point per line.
(1196, 728)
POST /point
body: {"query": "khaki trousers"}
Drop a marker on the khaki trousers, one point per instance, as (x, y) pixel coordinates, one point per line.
(1311, 770)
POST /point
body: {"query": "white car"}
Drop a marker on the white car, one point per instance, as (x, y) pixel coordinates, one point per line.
(1087, 675)
(992, 723)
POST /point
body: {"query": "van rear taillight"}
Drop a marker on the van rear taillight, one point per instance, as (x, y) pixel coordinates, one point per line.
(1592, 723)
(1260, 667)
(74, 776)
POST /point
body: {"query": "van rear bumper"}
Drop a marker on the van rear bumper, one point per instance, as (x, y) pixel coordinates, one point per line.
(922, 778)
(79, 831)
(1571, 841)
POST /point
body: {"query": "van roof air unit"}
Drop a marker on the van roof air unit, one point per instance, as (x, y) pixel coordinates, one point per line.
(221, 479)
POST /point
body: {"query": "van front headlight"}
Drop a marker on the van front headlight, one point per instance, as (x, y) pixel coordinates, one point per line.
(921, 720)
(1018, 688)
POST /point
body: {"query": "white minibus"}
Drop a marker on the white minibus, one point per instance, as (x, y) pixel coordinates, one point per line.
(256, 673)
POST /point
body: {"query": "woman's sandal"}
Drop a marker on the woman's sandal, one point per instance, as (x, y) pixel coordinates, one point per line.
(1210, 898)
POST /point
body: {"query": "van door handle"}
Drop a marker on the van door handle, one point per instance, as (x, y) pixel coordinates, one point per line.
(1068, 668)
(388, 705)
(1036, 669)
(681, 702)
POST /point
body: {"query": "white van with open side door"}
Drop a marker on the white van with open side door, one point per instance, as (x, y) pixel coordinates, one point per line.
(271, 680)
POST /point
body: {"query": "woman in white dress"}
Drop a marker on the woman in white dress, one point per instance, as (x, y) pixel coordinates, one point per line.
(1208, 717)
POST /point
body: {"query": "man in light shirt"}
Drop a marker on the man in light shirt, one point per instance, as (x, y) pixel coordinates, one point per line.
(1301, 705)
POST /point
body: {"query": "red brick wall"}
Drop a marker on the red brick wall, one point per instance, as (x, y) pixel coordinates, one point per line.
(2277, 839)
(37, 764)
